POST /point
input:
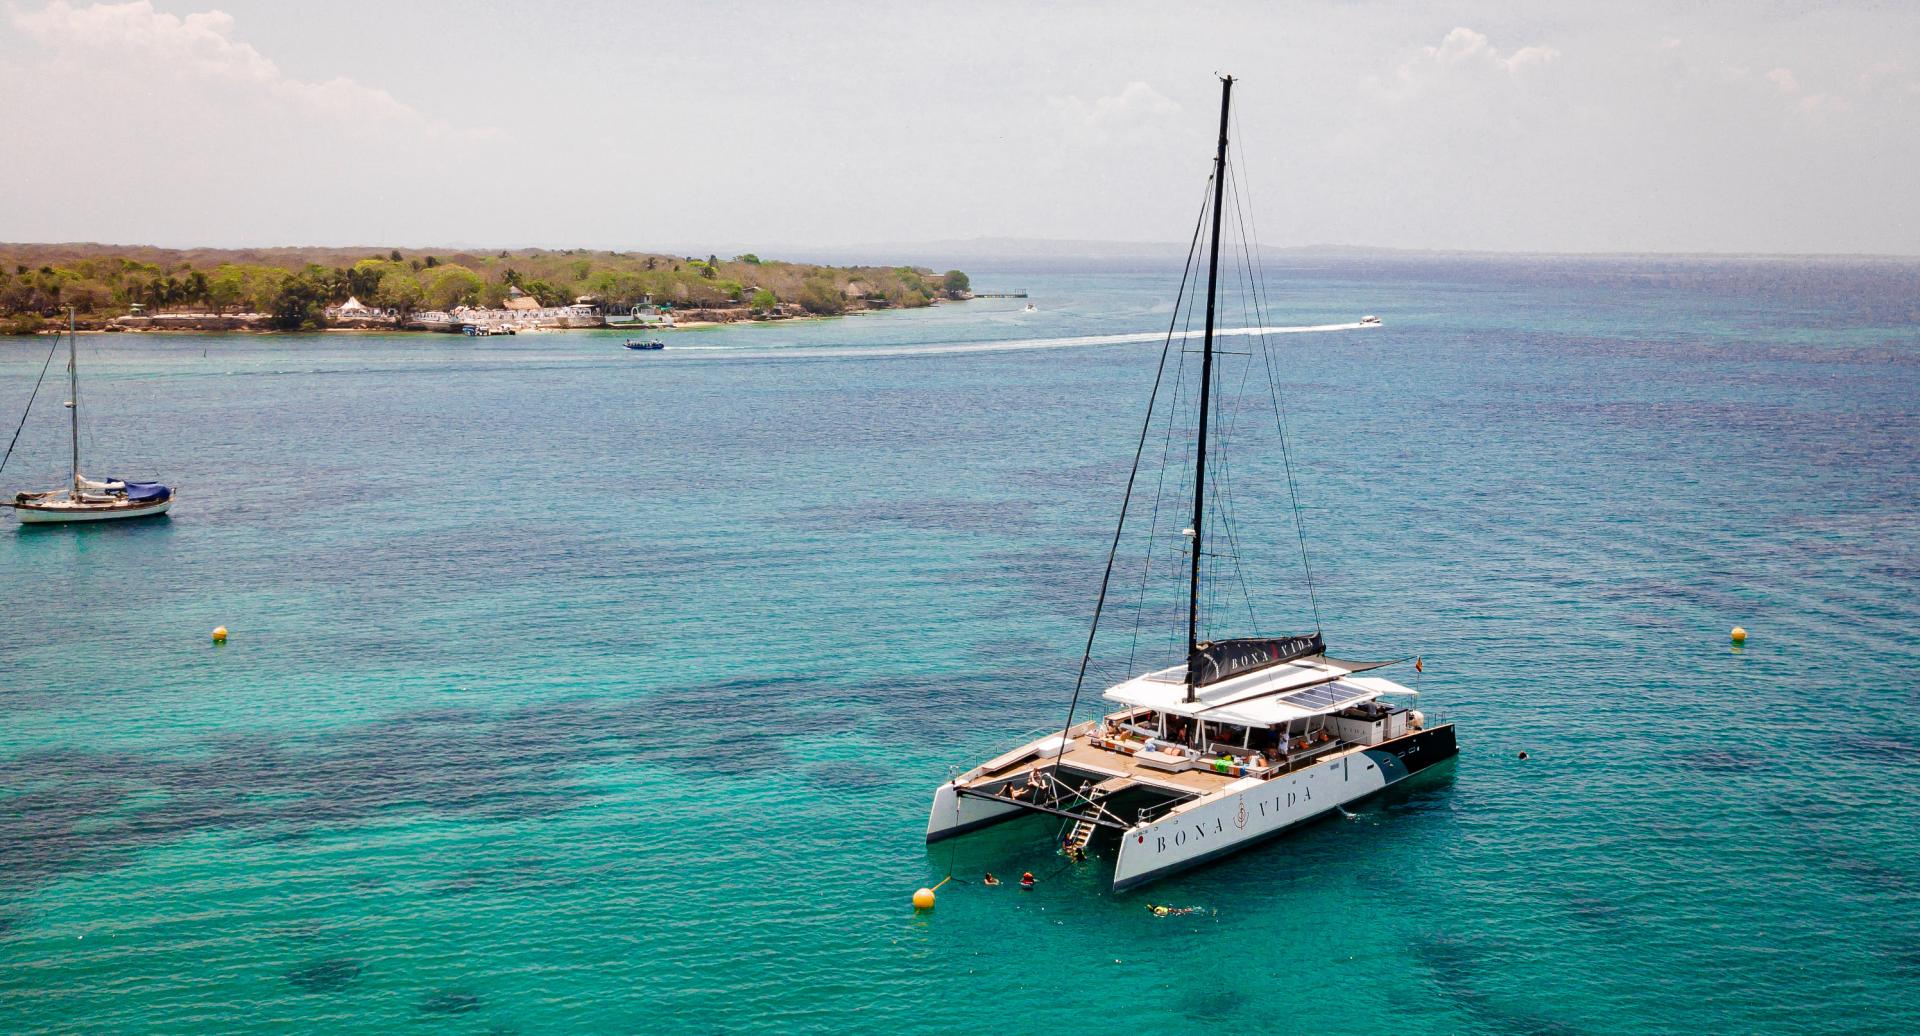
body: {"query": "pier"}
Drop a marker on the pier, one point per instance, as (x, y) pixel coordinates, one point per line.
(999, 294)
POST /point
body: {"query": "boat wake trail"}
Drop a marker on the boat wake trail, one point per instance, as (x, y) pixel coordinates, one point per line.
(1002, 345)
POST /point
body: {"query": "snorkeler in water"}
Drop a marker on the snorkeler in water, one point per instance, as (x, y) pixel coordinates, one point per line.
(1171, 911)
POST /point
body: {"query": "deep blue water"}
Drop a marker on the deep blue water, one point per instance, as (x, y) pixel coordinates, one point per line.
(577, 690)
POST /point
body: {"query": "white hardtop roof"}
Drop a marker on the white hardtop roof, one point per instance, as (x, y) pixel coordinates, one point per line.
(1266, 697)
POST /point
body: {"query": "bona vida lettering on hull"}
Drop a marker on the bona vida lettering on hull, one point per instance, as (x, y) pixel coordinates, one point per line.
(1197, 831)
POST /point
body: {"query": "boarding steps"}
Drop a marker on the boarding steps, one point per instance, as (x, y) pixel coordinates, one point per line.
(1077, 839)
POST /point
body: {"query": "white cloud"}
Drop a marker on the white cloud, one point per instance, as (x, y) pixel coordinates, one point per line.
(1137, 105)
(133, 38)
(236, 139)
(1465, 51)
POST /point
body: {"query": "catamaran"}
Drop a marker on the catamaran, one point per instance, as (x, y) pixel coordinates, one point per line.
(85, 499)
(1247, 738)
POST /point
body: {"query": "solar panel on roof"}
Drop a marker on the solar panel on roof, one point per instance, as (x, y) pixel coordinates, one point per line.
(1319, 697)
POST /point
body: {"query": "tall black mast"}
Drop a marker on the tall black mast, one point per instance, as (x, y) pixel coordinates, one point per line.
(1206, 387)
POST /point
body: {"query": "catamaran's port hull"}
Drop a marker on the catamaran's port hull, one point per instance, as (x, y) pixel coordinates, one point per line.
(1252, 810)
(956, 814)
(30, 515)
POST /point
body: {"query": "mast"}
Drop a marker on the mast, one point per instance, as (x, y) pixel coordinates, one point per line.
(73, 399)
(1206, 386)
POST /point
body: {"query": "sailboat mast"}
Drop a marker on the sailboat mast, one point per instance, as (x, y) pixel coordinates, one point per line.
(73, 398)
(1206, 386)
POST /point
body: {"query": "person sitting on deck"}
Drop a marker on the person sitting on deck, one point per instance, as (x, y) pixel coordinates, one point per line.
(1034, 782)
(1257, 760)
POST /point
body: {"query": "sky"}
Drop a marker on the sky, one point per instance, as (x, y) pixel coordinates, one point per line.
(780, 127)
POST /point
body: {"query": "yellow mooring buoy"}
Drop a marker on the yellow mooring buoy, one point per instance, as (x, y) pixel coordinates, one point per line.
(1739, 635)
(219, 634)
(923, 898)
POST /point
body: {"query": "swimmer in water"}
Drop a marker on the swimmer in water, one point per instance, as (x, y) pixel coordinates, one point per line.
(990, 880)
(1026, 880)
(1171, 911)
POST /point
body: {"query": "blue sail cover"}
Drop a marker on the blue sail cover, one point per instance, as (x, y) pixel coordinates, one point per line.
(147, 492)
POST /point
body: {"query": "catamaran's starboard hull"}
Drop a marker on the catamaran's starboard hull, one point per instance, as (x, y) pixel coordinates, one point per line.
(1252, 810)
(31, 515)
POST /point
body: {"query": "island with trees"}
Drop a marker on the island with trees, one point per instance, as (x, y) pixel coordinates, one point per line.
(293, 289)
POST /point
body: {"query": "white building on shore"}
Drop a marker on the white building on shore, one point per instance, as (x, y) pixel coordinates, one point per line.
(355, 311)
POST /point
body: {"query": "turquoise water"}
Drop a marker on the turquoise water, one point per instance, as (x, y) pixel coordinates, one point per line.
(573, 690)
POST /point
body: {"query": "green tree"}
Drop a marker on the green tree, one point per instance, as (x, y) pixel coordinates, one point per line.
(547, 294)
(399, 291)
(300, 302)
(451, 285)
(365, 277)
(820, 296)
(227, 287)
(956, 284)
(764, 301)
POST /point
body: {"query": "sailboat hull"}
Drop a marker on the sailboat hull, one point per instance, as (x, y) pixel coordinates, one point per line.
(63, 513)
(1254, 810)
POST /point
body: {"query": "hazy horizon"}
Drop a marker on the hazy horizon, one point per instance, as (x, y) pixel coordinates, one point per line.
(1495, 128)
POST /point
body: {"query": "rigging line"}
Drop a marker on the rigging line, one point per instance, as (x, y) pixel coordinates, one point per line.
(1279, 408)
(1223, 499)
(1153, 528)
(1113, 550)
(1176, 620)
(1231, 426)
(1173, 413)
(1248, 219)
(1222, 492)
(30, 398)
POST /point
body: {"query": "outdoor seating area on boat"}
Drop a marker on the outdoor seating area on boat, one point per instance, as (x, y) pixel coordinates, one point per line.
(1176, 743)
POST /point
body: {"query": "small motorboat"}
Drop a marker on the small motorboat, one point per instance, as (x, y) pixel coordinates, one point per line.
(645, 344)
(1370, 320)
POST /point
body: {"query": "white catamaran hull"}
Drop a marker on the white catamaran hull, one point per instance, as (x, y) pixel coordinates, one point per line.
(956, 814)
(32, 515)
(1251, 809)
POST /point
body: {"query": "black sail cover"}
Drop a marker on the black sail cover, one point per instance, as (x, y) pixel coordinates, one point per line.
(1222, 659)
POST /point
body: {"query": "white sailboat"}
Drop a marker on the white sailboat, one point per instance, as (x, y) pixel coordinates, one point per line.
(1246, 738)
(85, 499)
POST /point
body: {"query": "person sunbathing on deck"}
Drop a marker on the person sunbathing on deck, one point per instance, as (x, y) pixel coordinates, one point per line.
(1033, 783)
